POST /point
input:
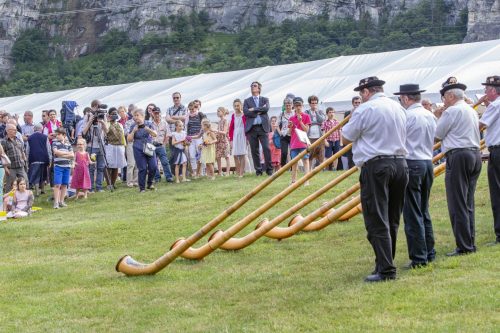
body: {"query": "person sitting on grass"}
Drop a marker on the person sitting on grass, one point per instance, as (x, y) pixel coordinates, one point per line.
(63, 158)
(22, 200)
(8, 198)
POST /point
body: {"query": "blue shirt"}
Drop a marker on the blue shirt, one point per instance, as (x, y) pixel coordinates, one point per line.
(258, 120)
(141, 136)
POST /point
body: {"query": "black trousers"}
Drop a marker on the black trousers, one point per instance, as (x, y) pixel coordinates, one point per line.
(494, 184)
(418, 224)
(383, 184)
(285, 145)
(462, 171)
(256, 135)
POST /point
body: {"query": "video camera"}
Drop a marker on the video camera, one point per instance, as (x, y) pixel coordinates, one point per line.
(100, 113)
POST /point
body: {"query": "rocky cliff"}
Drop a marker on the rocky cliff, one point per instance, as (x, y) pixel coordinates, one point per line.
(81, 22)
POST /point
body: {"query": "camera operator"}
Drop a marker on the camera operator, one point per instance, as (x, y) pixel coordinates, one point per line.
(93, 132)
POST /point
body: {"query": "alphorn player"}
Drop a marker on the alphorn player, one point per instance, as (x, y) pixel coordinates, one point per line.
(420, 132)
(491, 121)
(458, 128)
(377, 129)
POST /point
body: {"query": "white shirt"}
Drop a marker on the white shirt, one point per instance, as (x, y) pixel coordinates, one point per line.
(377, 127)
(420, 132)
(314, 130)
(491, 118)
(458, 127)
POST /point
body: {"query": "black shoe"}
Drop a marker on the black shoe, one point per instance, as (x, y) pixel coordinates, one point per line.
(458, 252)
(378, 278)
(414, 265)
(258, 172)
(269, 172)
(170, 180)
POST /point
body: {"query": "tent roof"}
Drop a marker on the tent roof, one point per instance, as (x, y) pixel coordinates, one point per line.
(332, 80)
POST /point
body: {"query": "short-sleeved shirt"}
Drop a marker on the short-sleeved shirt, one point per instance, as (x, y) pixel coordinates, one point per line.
(295, 143)
(162, 130)
(420, 132)
(176, 111)
(64, 147)
(141, 136)
(284, 118)
(458, 127)
(377, 128)
(491, 118)
(328, 125)
(179, 136)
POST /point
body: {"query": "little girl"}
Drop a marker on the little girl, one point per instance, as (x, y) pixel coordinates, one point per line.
(8, 198)
(179, 157)
(237, 138)
(222, 145)
(275, 152)
(81, 176)
(208, 147)
(22, 201)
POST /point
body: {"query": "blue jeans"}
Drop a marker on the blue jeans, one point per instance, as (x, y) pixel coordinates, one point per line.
(161, 154)
(99, 165)
(147, 167)
(332, 149)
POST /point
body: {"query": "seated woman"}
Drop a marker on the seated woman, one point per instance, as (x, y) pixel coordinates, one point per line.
(22, 201)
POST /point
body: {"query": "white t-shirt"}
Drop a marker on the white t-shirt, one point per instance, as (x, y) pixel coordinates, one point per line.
(491, 118)
(377, 127)
(178, 136)
(458, 127)
(420, 132)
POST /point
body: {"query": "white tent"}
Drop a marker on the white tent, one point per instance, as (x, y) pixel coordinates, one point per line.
(332, 80)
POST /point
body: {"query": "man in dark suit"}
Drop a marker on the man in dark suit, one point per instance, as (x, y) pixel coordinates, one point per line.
(257, 126)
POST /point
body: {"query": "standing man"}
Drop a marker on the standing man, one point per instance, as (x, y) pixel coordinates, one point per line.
(377, 129)
(14, 149)
(491, 121)
(159, 141)
(420, 132)
(458, 128)
(317, 118)
(257, 126)
(28, 128)
(176, 112)
(39, 152)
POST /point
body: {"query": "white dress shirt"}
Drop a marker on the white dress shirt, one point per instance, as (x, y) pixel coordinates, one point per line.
(377, 127)
(420, 132)
(491, 118)
(458, 127)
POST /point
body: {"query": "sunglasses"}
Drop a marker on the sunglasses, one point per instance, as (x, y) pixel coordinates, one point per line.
(176, 97)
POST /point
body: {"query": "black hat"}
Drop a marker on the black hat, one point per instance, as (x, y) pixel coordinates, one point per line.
(493, 81)
(409, 89)
(298, 100)
(369, 82)
(451, 83)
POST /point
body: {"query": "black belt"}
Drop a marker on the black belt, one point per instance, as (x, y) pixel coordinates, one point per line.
(490, 148)
(157, 144)
(456, 150)
(380, 157)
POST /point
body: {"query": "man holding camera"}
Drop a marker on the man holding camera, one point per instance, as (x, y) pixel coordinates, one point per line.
(93, 132)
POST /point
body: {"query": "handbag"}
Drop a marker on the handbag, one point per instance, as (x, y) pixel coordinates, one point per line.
(5, 161)
(277, 139)
(148, 149)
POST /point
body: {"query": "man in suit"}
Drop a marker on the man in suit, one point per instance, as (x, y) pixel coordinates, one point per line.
(257, 127)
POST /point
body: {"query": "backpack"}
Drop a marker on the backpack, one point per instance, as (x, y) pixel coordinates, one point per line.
(68, 117)
(277, 139)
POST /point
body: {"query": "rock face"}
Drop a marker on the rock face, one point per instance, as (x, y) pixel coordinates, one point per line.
(81, 22)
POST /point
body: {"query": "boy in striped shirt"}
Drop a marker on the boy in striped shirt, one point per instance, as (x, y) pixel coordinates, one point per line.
(63, 159)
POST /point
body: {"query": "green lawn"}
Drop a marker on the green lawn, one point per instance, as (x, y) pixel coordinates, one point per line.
(57, 269)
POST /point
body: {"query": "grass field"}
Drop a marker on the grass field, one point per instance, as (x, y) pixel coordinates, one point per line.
(57, 270)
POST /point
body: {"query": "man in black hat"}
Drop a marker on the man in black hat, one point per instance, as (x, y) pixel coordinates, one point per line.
(458, 128)
(257, 126)
(491, 121)
(420, 132)
(377, 129)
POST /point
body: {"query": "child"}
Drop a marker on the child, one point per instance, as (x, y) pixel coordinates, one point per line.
(63, 157)
(237, 138)
(332, 143)
(81, 176)
(222, 145)
(208, 147)
(299, 121)
(8, 198)
(275, 152)
(179, 157)
(22, 200)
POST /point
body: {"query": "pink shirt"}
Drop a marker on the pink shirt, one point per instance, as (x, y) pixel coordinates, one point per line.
(295, 143)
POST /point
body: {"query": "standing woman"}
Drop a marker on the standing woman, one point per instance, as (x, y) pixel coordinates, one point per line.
(237, 138)
(3, 169)
(222, 145)
(140, 134)
(115, 147)
(284, 129)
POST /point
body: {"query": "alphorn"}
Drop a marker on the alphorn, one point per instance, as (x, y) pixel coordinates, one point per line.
(129, 266)
(216, 242)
